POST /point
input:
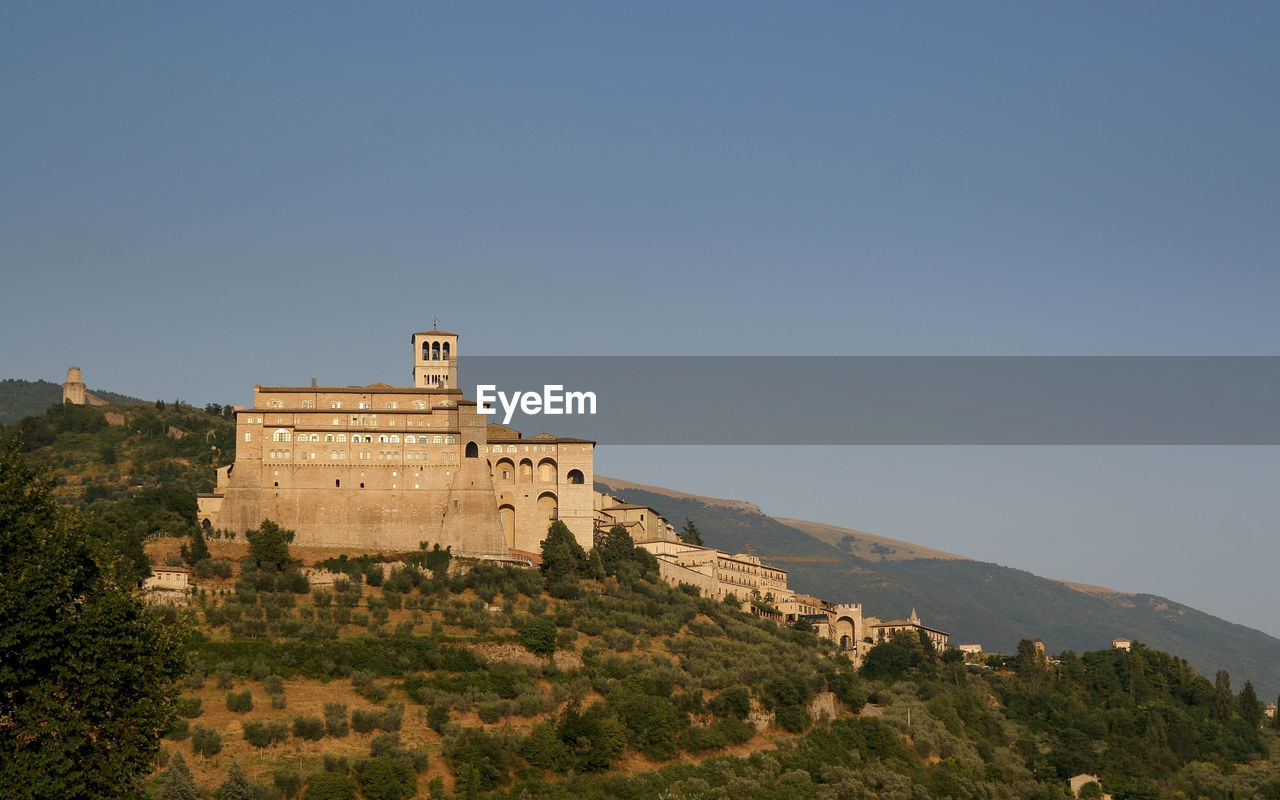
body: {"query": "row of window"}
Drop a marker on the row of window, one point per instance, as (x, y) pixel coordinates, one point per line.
(435, 351)
(286, 435)
(418, 404)
(362, 455)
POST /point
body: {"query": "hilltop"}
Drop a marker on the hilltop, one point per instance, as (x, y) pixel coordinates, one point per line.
(22, 398)
(974, 601)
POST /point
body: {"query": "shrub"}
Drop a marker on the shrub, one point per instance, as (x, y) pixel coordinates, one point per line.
(732, 702)
(240, 702)
(793, 718)
(308, 728)
(206, 741)
(262, 734)
(189, 707)
(178, 730)
(279, 701)
(330, 786)
(287, 782)
(335, 719)
(539, 636)
(387, 778)
(491, 710)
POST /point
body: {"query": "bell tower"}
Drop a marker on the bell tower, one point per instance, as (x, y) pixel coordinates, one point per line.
(435, 360)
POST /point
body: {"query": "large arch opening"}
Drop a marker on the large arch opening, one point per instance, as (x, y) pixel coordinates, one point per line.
(505, 470)
(526, 470)
(548, 507)
(547, 471)
(575, 476)
(507, 516)
(473, 451)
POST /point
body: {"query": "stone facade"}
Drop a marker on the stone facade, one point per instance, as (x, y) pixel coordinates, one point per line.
(380, 467)
(73, 390)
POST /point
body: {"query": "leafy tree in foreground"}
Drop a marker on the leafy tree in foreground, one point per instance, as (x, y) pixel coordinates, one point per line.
(89, 673)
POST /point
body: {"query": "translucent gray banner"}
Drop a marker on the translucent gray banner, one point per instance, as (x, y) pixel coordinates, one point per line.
(824, 400)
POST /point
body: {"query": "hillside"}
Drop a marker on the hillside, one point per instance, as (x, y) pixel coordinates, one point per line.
(21, 398)
(397, 676)
(974, 601)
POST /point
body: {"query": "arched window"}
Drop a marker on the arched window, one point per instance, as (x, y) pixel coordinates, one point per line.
(410, 439)
(446, 351)
(511, 448)
(275, 403)
(315, 437)
(526, 470)
(547, 471)
(382, 439)
(437, 439)
(472, 450)
(575, 476)
(342, 437)
(450, 439)
(282, 435)
(328, 437)
(335, 404)
(435, 351)
(395, 438)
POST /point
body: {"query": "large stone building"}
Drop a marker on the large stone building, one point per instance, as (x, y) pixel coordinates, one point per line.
(380, 467)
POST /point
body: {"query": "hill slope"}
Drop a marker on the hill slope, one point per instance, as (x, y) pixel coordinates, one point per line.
(20, 398)
(976, 601)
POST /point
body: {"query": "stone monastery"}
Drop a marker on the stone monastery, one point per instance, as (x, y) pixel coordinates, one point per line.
(380, 467)
(387, 467)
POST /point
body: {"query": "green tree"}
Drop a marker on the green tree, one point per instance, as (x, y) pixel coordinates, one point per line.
(330, 786)
(89, 672)
(198, 549)
(1223, 702)
(538, 635)
(387, 778)
(236, 786)
(269, 544)
(1251, 708)
(562, 557)
(178, 783)
(690, 533)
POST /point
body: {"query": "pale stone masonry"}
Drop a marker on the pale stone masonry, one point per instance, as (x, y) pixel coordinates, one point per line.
(380, 467)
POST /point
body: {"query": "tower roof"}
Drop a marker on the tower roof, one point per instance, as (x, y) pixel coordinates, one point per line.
(435, 333)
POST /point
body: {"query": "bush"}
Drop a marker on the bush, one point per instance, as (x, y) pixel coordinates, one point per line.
(330, 786)
(240, 702)
(189, 707)
(793, 718)
(287, 782)
(262, 734)
(279, 701)
(308, 728)
(387, 778)
(206, 741)
(178, 730)
(335, 719)
(491, 710)
(539, 636)
(732, 702)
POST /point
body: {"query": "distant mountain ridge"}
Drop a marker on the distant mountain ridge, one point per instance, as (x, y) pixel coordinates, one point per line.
(974, 601)
(22, 398)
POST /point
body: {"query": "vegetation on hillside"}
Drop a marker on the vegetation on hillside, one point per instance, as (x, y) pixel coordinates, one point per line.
(20, 398)
(424, 675)
(981, 602)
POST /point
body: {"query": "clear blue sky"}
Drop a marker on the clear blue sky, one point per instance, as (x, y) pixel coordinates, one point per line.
(197, 198)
